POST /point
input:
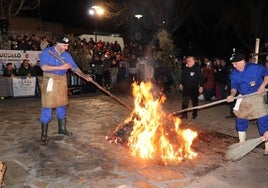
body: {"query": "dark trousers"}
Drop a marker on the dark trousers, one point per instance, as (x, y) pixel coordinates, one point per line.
(107, 78)
(99, 79)
(186, 97)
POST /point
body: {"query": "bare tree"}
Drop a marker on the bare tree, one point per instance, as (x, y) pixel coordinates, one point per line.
(168, 14)
(247, 20)
(116, 11)
(9, 8)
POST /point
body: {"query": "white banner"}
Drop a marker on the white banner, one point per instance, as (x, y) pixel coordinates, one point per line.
(23, 86)
(16, 57)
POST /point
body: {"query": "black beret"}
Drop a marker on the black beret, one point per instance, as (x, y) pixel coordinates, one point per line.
(62, 39)
(235, 57)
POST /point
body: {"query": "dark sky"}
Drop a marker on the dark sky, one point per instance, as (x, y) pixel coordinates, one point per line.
(74, 13)
(68, 12)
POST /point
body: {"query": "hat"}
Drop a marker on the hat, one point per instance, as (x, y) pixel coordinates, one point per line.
(62, 39)
(237, 57)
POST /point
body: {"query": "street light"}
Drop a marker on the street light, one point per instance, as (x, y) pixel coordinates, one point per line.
(138, 34)
(96, 11)
(138, 16)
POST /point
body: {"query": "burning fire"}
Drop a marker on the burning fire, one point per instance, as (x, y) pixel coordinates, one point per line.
(155, 134)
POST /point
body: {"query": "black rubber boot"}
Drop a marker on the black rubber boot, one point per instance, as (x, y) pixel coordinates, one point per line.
(62, 127)
(44, 137)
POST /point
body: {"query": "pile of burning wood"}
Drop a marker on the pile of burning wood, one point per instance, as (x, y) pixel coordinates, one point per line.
(151, 133)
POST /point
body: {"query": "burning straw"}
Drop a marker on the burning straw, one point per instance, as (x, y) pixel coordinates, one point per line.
(239, 150)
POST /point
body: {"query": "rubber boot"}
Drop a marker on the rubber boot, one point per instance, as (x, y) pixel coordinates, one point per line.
(265, 148)
(242, 136)
(62, 127)
(44, 137)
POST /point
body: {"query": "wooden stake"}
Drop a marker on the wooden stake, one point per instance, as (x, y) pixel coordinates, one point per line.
(257, 46)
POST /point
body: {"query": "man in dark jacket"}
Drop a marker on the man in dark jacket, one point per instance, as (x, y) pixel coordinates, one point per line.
(9, 71)
(26, 69)
(191, 85)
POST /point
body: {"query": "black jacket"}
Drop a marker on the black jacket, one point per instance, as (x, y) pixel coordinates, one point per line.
(192, 77)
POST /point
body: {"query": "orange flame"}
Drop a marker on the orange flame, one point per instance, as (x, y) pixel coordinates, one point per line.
(156, 134)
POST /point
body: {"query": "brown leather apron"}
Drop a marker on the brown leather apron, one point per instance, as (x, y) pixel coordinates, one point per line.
(252, 107)
(58, 94)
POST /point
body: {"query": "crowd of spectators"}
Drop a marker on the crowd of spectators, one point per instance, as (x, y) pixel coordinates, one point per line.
(111, 63)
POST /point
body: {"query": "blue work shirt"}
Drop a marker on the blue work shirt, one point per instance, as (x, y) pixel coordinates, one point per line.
(249, 80)
(48, 59)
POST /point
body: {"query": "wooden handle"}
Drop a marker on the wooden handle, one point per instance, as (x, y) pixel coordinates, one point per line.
(82, 75)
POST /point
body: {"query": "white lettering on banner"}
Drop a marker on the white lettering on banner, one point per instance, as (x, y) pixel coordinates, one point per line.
(10, 55)
(24, 86)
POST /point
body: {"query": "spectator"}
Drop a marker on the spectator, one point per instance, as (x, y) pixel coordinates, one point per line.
(24, 44)
(132, 68)
(44, 43)
(191, 85)
(34, 42)
(97, 66)
(106, 70)
(9, 71)
(121, 72)
(85, 59)
(26, 69)
(37, 69)
(38, 73)
(221, 79)
(141, 69)
(114, 72)
(209, 83)
(116, 47)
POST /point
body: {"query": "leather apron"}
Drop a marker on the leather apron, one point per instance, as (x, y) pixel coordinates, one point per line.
(252, 107)
(54, 94)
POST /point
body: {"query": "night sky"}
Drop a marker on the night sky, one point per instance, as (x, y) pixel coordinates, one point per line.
(74, 13)
(68, 12)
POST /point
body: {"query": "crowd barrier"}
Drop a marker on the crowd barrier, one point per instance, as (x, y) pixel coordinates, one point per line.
(26, 86)
(17, 86)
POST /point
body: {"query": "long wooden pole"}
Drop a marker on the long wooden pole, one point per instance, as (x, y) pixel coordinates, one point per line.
(212, 103)
(3, 168)
(82, 75)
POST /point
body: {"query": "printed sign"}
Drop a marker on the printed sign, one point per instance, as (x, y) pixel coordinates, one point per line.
(24, 86)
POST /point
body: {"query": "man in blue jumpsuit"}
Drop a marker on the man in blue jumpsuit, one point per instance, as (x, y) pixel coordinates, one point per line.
(54, 87)
(248, 78)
